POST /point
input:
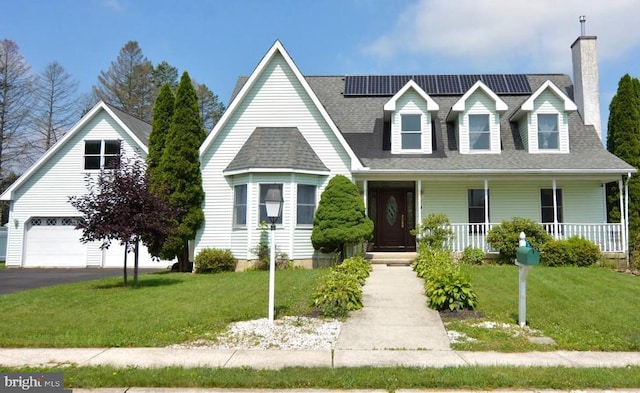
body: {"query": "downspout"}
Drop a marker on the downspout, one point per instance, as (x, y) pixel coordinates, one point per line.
(555, 211)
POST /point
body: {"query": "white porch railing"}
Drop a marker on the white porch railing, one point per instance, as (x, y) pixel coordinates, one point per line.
(609, 237)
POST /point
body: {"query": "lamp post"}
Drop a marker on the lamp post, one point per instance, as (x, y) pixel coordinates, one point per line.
(273, 203)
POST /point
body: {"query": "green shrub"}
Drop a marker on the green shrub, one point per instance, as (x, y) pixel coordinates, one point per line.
(451, 290)
(473, 256)
(574, 251)
(434, 231)
(356, 266)
(447, 285)
(504, 237)
(213, 260)
(337, 294)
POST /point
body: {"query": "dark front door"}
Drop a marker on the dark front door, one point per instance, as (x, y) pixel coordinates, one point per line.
(394, 219)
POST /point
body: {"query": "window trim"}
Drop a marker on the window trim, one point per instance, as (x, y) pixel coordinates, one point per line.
(299, 205)
(262, 207)
(104, 157)
(404, 132)
(556, 131)
(487, 132)
(236, 205)
(473, 229)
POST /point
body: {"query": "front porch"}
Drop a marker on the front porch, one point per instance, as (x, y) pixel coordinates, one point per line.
(609, 237)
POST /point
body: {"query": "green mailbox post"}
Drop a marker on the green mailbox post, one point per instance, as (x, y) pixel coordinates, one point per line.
(526, 257)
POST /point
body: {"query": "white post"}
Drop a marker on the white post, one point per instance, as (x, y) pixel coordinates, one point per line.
(272, 272)
(626, 216)
(555, 211)
(522, 288)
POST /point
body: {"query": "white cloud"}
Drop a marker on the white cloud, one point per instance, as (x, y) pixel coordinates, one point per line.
(115, 5)
(506, 34)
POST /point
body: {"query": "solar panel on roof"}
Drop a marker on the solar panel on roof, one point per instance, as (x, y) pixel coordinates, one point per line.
(466, 81)
(517, 83)
(448, 84)
(388, 85)
(379, 85)
(495, 82)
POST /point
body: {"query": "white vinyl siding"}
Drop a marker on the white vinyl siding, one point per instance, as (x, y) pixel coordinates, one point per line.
(479, 103)
(46, 193)
(277, 99)
(546, 103)
(411, 103)
(583, 201)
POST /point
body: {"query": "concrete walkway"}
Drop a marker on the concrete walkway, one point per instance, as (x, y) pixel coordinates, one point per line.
(395, 315)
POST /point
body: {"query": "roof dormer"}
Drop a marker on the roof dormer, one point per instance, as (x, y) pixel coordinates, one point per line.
(410, 112)
(543, 120)
(477, 118)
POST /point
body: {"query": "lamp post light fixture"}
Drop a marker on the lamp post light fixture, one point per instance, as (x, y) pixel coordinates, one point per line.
(273, 203)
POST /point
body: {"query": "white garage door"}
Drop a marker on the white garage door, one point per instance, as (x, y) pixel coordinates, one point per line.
(53, 242)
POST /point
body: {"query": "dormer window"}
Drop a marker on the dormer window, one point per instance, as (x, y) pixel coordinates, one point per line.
(479, 132)
(543, 120)
(411, 132)
(409, 114)
(548, 133)
(476, 116)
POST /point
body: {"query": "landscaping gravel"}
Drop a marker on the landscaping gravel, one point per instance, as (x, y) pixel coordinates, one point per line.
(288, 333)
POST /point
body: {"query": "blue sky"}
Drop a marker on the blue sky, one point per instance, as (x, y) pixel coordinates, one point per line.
(216, 41)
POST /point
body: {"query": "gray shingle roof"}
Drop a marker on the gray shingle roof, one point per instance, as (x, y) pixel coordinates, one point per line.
(277, 147)
(361, 121)
(140, 128)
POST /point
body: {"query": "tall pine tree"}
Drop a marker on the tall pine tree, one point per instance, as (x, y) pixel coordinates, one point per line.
(623, 140)
(180, 172)
(162, 116)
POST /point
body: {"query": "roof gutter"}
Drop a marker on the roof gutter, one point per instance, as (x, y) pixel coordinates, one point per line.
(497, 171)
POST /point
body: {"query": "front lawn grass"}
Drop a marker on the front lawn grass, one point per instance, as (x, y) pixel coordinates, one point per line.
(581, 309)
(166, 308)
(391, 378)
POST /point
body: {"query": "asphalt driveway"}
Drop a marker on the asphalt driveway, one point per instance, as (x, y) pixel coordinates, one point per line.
(13, 280)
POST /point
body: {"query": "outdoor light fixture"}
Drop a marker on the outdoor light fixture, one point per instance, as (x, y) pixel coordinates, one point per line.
(273, 203)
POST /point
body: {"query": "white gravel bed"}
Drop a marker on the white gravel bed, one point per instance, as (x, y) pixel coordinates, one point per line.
(288, 333)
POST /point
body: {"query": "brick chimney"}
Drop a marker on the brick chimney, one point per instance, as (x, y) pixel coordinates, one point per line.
(586, 90)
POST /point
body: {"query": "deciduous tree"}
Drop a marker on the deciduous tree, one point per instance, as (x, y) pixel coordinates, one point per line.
(180, 172)
(211, 109)
(340, 218)
(55, 106)
(16, 86)
(120, 206)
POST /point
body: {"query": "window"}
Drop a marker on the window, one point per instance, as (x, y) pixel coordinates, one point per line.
(476, 210)
(263, 208)
(479, 132)
(240, 205)
(411, 132)
(546, 204)
(101, 154)
(548, 131)
(306, 204)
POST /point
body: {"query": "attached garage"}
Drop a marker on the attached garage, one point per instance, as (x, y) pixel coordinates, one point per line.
(54, 242)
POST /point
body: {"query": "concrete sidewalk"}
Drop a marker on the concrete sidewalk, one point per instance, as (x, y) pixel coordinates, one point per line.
(395, 315)
(275, 359)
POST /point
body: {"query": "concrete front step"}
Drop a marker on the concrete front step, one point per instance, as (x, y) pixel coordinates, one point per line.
(392, 258)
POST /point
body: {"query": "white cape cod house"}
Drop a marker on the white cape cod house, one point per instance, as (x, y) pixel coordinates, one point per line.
(478, 148)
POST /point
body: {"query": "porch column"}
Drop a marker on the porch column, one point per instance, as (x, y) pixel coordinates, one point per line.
(366, 197)
(621, 193)
(486, 207)
(626, 215)
(419, 202)
(555, 211)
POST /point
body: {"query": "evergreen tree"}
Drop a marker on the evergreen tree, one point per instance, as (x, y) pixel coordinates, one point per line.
(165, 73)
(180, 172)
(128, 83)
(211, 109)
(340, 218)
(162, 115)
(623, 140)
